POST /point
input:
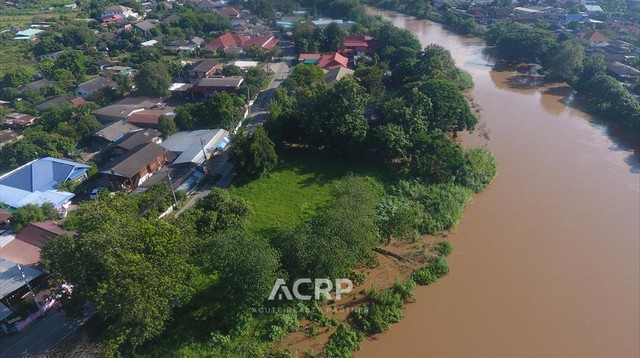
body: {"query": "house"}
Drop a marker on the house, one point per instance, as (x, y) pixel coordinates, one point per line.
(592, 8)
(595, 38)
(328, 61)
(211, 5)
(5, 217)
(192, 146)
(123, 108)
(137, 165)
(86, 89)
(146, 26)
(19, 120)
(333, 76)
(36, 183)
(149, 43)
(36, 85)
(236, 43)
(112, 132)
(623, 72)
(59, 100)
(208, 86)
(355, 45)
(119, 10)
(244, 65)
(28, 34)
(51, 56)
(203, 69)
(579, 18)
(24, 247)
(229, 12)
(149, 117)
(12, 282)
(134, 139)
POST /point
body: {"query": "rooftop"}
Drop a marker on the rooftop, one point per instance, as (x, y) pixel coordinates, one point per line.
(36, 181)
(189, 145)
(115, 130)
(11, 278)
(135, 160)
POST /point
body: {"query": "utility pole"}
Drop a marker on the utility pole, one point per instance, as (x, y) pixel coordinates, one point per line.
(204, 158)
(175, 200)
(24, 277)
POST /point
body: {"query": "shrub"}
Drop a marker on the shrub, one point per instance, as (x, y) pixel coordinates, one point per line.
(343, 342)
(405, 289)
(383, 310)
(397, 216)
(443, 248)
(423, 276)
(439, 267)
(444, 204)
(479, 169)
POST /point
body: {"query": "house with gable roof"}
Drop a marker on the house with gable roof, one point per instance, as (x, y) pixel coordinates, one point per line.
(36, 183)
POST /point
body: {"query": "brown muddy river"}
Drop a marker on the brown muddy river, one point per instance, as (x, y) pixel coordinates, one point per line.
(546, 262)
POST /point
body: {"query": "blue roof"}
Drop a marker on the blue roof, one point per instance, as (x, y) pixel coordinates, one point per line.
(36, 182)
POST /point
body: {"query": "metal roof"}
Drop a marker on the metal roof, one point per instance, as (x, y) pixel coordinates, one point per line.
(11, 278)
(36, 181)
(189, 144)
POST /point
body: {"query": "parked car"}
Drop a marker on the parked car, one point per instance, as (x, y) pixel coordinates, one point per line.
(93, 195)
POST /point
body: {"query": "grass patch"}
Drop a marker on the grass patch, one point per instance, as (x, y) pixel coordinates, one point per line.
(295, 190)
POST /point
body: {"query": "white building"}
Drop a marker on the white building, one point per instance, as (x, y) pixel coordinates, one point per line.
(121, 10)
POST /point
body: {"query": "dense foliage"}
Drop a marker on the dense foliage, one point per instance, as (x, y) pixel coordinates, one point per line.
(253, 155)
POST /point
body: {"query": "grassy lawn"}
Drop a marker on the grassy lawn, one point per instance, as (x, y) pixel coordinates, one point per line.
(295, 190)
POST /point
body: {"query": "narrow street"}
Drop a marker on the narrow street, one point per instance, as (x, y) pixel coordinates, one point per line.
(43, 334)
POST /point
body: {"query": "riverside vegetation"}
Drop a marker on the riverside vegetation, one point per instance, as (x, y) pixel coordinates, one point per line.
(323, 185)
(563, 56)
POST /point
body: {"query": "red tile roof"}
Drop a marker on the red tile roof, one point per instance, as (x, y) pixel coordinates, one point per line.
(265, 42)
(309, 56)
(229, 11)
(4, 216)
(332, 60)
(21, 252)
(37, 234)
(78, 101)
(147, 117)
(231, 40)
(226, 41)
(595, 36)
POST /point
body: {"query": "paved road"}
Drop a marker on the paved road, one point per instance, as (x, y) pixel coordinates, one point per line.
(281, 71)
(41, 335)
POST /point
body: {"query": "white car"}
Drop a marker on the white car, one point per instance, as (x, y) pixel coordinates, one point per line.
(94, 193)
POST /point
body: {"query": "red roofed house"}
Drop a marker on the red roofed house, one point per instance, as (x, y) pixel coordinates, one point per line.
(595, 39)
(327, 61)
(25, 248)
(229, 12)
(355, 45)
(236, 43)
(148, 118)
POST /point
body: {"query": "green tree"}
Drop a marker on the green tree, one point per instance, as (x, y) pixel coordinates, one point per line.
(567, 62)
(246, 276)
(338, 237)
(253, 156)
(132, 270)
(26, 215)
(153, 79)
(450, 110)
(73, 61)
(167, 126)
(19, 76)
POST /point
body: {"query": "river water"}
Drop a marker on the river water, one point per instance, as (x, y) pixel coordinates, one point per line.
(546, 262)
